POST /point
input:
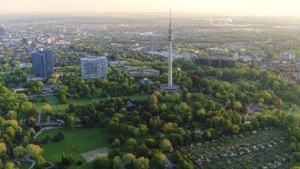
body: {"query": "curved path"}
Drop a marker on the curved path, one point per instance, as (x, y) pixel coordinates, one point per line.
(290, 110)
(28, 159)
(43, 129)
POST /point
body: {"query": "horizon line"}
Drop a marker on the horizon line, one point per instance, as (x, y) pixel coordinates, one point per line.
(80, 13)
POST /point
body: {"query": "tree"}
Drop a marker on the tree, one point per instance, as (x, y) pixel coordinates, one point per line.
(143, 151)
(128, 158)
(176, 97)
(187, 165)
(39, 162)
(63, 99)
(11, 115)
(27, 109)
(237, 105)
(2, 147)
(31, 121)
(116, 142)
(131, 144)
(158, 95)
(10, 132)
(63, 95)
(153, 99)
(141, 163)
(10, 165)
(210, 105)
(151, 143)
(143, 129)
(292, 147)
(177, 158)
(166, 145)
(19, 151)
(234, 129)
(159, 160)
(117, 162)
(43, 98)
(71, 121)
(46, 108)
(184, 94)
(34, 150)
(102, 163)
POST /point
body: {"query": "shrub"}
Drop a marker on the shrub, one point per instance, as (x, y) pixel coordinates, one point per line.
(59, 136)
(79, 163)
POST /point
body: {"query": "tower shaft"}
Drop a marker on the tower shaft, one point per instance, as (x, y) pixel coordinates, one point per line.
(170, 68)
(170, 59)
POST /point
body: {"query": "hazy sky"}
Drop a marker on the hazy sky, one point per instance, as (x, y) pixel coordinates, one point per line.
(241, 7)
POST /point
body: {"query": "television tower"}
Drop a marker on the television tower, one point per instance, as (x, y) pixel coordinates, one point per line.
(170, 59)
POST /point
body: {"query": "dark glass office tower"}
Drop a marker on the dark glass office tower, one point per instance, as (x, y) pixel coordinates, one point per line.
(42, 63)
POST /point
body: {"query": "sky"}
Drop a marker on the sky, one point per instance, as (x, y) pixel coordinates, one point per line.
(234, 7)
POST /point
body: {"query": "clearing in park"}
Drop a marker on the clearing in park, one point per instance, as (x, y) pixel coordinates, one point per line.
(77, 141)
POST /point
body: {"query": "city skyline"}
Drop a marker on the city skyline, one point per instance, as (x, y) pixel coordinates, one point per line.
(231, 7)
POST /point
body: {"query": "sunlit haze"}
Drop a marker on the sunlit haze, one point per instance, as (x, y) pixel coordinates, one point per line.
(238, 7)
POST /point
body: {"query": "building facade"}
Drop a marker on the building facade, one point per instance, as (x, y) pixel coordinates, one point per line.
(42, 63)
(2, 32)
(94, 67)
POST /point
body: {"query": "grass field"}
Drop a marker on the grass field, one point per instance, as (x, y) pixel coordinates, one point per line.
(75, 142)
(87, 165)
(25, 164)
(57, 107)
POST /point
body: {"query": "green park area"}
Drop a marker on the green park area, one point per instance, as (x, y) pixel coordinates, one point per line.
(75, 142)
(258, 149)
(57, 107)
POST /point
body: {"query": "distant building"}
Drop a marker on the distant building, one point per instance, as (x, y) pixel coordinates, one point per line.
(31, 78)
(24, 41)
(25, 65)
(287, 56)
(153, 46)
(42, 62)
(143, 71)
(94, 67)
(117, 63)
(2, 32)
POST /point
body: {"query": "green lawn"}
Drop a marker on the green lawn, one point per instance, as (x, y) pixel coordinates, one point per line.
(57, 107)
(87, 165)
(82, 139)
(25, 164)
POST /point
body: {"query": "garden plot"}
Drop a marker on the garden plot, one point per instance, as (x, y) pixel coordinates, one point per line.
(257, 149)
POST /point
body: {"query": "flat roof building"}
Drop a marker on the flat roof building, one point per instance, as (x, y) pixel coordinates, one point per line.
(94, 67)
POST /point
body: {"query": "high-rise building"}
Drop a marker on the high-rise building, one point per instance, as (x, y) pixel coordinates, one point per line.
(2, 32)
(42, 62)
(94, 67)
